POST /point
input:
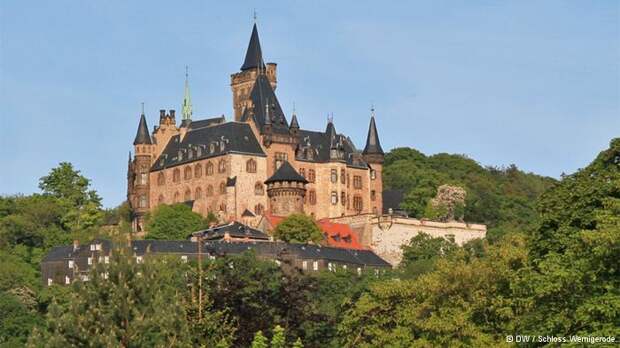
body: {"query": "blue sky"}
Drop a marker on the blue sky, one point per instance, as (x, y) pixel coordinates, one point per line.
(534, 83)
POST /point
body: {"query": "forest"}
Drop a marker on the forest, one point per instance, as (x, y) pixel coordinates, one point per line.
(549, 267)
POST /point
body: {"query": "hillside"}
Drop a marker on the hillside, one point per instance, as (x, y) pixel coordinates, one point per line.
(502, 198)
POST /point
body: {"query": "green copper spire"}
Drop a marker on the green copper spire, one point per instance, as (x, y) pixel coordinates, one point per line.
(187, 99)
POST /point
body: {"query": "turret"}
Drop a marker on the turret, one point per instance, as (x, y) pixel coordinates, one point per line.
(242, 82)
(374, 156)
(138, 175)
(373, 153)
(286, 190)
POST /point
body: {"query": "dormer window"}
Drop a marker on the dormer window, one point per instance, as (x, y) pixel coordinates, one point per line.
(212, 148)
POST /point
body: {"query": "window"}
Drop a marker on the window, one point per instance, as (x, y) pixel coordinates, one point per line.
(334, 197)
(373, 174)
(142, 203)
(302, 172)
(49, 281)
(70, 265)
(259, 189)
(187, 173)
(359, 271)
(161, 179)
(348, 180)
(358, 204)
(312, 197)
(342, 176)
(250, 166)
(311, 175)
(176, 175)
(209, 168)
(222, 187)
(334, 176)
(280, 158)
(143, 175)
(197, 170)
(177, 197)
(90, 260)
(184, 258)
(67, 280)
(106, 259)
(198, 194)
(139, 259)
(330, 267)
(223, 207)
(304, 265)
(188, 195)
(221, 166)
(343, 198)
(315, 265)
(209, 191)
(258, 209)
(357, 182)
(373, 195)
(348, 202)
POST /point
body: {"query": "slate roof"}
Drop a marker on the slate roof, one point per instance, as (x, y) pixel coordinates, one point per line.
(234, 229)
(207, 142)
(207, 122)
(373, 145)
(267, 109)
(392, 200)
(320, 143)
(142, 135)
(286, 172)
(254, 54)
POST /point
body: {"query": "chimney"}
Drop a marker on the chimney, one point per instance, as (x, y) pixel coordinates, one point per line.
(76, 244)
(162, 113)
(172, 113)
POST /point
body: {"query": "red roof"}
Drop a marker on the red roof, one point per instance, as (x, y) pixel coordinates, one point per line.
(336, 235)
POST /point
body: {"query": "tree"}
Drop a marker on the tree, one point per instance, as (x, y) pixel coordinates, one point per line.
(120, 306)
(73, 190)
(278, 340)
(173, 222)
(298, 228)
(298, 343)
(422, 252)
(259, 341)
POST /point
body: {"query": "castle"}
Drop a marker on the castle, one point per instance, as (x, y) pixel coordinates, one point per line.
(258, 164)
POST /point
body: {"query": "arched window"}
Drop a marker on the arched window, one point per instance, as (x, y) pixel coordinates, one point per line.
(342, 176)
(221, 166)
(177, 197)
(161, 179)
(198, 194)
(311, 175)
(343, 198)
(258, 209)
(334, 176)
(188, 195)
(250, 166)
(143, 175)
(334, 197)
(259, 189)
(160, 199)
(209, 191)
(223, 207)
(187, 173)
(358, 203)
(176, 175)
(209, 168)
(198, 170)
(222, 187)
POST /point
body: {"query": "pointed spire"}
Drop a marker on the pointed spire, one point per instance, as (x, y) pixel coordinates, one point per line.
(294, 122)
(142, 136)
(373, 145)
(254, 55)
(331, 129)
(186, 109)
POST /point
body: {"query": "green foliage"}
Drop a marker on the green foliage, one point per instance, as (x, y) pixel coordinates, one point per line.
(298, 228)
(73, 191)
(422, 252)
(16, 320)
(173, 222)
(278, 340)
(503, 199)
(298, 343)
(259, 341)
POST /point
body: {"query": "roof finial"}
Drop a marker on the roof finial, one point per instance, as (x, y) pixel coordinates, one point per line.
(142, 108)
(254, 16)
(372, 110)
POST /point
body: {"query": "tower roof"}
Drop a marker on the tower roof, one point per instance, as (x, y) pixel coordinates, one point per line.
(373, 146)
(286, 172)
(294, 123)
(186, 109)
(142, 136)
(267, 109)
(254, 54)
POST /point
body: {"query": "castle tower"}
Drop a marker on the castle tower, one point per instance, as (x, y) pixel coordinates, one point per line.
(374, 156)
(186, 108)
(138, 175)
(286, 190)
(242, 82)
